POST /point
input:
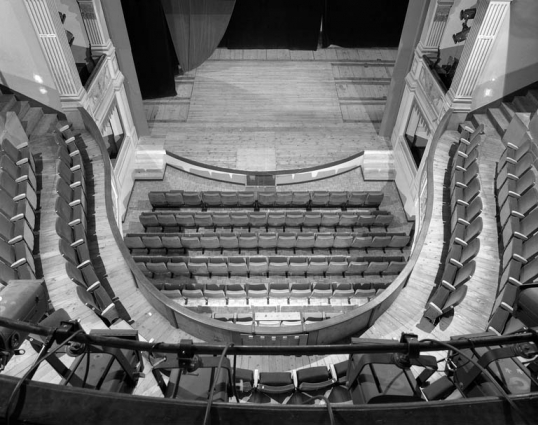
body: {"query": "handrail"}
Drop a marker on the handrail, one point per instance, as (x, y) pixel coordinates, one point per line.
(326, 331)
(382, 346)
(264, 173)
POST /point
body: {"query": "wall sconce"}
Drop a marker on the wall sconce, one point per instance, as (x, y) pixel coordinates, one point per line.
(466, 14)
(462, 35)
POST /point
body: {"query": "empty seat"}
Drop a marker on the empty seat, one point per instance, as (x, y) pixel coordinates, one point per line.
(462, 235)
(356, 199)
(518, 207)
(168, 222)
(461, 163)
(159, 269)
(312, 219)
(172, 243)
(366, 220)
(18, 257)
(356, 268)
(192, 199)
(433, 311)
(276, 219)
(329, 219)
(18, 173)
(219, 219)
(267, 241)
(16, 210)
(464, 196)
(18, 190)
(257, 219)
(278, 266)
(375, 268)
(247, 199)
(324, 241)
(211, 199)
(317, 266)
(284, 199)
(300, 292)
(399, 241)
(73, 196)
(157, 200)
(17, 231)
(266, 199)
(237, 266)
(229, 199)
(299, 199)
(361, 242)
(338, 199)
(150, 222)
(210, 241)
(294, 219)
(465, 214)
(374, 199)
(337, 265)
(248, 241)
(286, 241)
(174, 199)
(395, 267)
(341, 293)
(320, 198)
(514, 171)
(217, 266)
(380, 241)
(383, 220)
(321, 292)
(236, 292)
(519, 250)
(343, 241)
(178, 268)
(135, 245)
(191, 241)
(298, 266)
(257, 290)
(205, 220)
(276, 383)
(279, 290)
(198, 266)
(516, 188)
(314, 380)
(258, 266)
(229, 241)
(460, 255)
(521, 228)
(464, 178)
(240, 219)
(305, 241)
(348, 219)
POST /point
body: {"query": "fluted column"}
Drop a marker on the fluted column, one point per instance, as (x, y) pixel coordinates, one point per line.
(434, 27)
(51, 34)
(94, 22)
(488, 19)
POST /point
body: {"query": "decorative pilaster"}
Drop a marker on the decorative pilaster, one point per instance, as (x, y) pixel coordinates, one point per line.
(51, 34)
(94, 21)
(435, 27)
(488, 19)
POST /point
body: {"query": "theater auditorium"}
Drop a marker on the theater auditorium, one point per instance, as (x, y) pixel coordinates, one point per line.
(316, 211)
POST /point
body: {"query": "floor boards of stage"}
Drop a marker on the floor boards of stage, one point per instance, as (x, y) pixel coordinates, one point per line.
(275, 109)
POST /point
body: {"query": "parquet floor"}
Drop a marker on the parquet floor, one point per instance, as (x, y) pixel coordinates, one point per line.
(275, 109)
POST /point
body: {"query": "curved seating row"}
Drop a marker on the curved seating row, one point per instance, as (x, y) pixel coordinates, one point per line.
(517, 202)
(172, 222)
(18, 203)
(195, 294)
(177, 243)
(256, 200)
(261, 265)
(247, 319)
(71, 227)
(466, 226)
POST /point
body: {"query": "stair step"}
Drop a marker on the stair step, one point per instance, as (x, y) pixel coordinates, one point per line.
(378, 165)
(489, 129)
(30, 120)
(46, 124)
(508, 110)
(498, 120)
(7, 101)
(523, 104)
(21, 108)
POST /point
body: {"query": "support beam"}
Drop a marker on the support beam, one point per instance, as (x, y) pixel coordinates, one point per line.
(412, 30)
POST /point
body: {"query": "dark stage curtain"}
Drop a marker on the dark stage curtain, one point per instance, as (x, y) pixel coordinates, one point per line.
(353, 23)
(153, 53)
(274, 24)
(197, 26)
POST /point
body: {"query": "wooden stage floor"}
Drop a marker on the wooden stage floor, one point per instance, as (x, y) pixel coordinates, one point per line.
(266, 110)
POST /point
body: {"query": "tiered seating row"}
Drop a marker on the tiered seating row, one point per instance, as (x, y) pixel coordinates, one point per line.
(247, 319)
(257, 200)
(162, 266)
(177, 243)
(172, 222)
(466, 226)
(18, 203)
(517, 215)
(260, 294)
(71, 226)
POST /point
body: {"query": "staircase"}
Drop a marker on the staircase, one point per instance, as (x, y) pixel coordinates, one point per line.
(496, 120)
